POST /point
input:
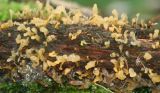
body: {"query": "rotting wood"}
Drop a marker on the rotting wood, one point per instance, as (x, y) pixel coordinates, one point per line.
(31, 47)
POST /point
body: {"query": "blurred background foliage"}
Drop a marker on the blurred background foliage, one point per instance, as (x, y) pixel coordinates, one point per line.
(6, 6)
(149, 9)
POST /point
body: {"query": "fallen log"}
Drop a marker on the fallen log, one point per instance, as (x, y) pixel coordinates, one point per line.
(110, 51)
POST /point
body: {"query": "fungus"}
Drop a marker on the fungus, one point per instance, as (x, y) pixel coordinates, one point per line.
(23, 43)
(67, 70)
(18, 39)
(51, 38)
(154, 76)
(13, 56)
(40, 54)
(113, 54)
(58, 28)
(90, 64)
(73, 36)
(83, 42)
(107, 44)
(132, 73)
(95, 10)
(73, 58)
(50, 63)
(45, 66)
(35, 37)
(6, 24)
(52, 54)
(120, 75)
(77, 16)
(156, 33)
(44, 30)
(147, 56)
(155, 45)
(115, 62)
(21, 27)
(39, 22)
(96, 72)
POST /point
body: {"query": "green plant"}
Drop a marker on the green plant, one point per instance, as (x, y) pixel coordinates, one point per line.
(34, 87)
(7, 6)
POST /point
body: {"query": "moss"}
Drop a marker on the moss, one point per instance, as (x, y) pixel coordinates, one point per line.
(142, 90)
(34, 87)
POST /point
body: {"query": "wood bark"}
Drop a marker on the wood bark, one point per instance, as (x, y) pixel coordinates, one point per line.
(94, 50)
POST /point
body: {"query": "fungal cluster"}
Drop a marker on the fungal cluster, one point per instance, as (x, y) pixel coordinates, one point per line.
(108, 50)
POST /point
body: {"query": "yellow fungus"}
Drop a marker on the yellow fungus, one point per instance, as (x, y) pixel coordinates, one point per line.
(23, 43)
(150, 35)
(57, 25)
(35, 61)
(35, 37)
(156, 33)
(83, 42)
(13, 56)
(132, 73)
(90, 64)
(95, 9)
(28, 32)
(50, 63)
(39, 22)
(146, 70)
(97, 20)
(59, 10)
(147, 56)
(96, 71)
(76, 17)
(44, 30)
(67, 70)
(50, 38)
(73, 58)
(40, 53)
(52, 54)
(45, 66)
(115, 62)
(73, 36)
(120, 75)
(116, 35)
(115, 14)
(121, 62)
(97, 78)
(62, 58)
(154, 76)
(29, 52)
(107, 44)
(9, 34)
(18, 39)
(34, 30)
(111, 29)
(6, 25)
(21, 27)
(113, 54)
(155, 45)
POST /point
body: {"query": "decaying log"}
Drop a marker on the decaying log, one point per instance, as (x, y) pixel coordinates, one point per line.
(83, 52)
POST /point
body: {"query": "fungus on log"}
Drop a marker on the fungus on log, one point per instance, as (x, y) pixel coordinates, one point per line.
(111, 51)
